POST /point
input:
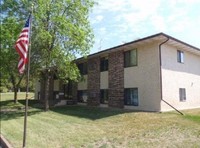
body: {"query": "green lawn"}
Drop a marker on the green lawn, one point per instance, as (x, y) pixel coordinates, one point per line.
(81, 126)
(10, 96)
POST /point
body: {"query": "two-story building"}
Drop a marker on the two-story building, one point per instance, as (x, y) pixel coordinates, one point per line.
(150, 74)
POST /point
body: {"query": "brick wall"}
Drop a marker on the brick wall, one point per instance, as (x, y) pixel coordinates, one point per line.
(116, 79)
(94, 81)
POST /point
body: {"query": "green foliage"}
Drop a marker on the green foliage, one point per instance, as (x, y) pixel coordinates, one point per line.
(61, 32)
(3, 89)
(5, 83)
(9, 57)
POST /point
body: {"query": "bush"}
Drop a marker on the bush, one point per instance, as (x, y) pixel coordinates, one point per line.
(3, 89)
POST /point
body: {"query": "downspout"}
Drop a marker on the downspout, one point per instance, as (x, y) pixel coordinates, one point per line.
(161, 84)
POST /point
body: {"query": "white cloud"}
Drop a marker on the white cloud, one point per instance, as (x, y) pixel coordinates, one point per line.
(145, 7)
(97, 19)
(159, 23)
(110, 5)
(102, 30)
(185, 3)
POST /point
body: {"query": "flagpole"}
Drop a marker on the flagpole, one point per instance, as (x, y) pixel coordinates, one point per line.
(27, 85)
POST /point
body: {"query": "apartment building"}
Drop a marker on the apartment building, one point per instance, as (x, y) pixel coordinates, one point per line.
(154, 73)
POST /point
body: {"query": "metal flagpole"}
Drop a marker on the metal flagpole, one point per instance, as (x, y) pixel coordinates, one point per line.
(27, 83)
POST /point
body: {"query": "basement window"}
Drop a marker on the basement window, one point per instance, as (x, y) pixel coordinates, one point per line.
(182, 94)
(82, 96)
(104, 96)
(131, 96)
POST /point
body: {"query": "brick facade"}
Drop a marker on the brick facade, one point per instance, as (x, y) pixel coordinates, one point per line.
(116, 79)
(115, 84)
(94, 81)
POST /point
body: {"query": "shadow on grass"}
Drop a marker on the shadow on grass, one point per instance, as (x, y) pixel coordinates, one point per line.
(8, 115)
(9, 104)
(32, 103)
(10, 110)
(92, 113)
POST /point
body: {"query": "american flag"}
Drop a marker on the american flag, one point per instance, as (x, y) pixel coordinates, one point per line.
(21, 46)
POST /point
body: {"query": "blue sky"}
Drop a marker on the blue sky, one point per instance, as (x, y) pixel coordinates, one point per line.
(119, 21)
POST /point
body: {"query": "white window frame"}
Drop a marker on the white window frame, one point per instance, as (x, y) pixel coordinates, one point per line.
(180, 56)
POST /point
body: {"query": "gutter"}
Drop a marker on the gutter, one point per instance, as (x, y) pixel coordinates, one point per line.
(161, 84)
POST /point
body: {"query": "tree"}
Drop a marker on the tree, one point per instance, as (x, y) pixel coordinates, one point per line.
(9, 57)
(60, 32)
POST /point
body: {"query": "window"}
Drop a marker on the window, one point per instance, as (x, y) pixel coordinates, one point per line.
(130, 58)
(104, 64)
(182, 94)
(180, 56)
(82, 68)
(131, 96)
(104, 96)
(82, 96)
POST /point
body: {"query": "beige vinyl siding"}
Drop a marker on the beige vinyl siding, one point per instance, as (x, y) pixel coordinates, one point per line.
(56, 85)
(82, 85)
(177, 75)
(145, 77)
(104, 80)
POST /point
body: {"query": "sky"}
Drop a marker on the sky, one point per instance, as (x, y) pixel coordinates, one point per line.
(116, 22)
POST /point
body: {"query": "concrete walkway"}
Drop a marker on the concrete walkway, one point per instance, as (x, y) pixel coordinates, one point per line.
(4, 143)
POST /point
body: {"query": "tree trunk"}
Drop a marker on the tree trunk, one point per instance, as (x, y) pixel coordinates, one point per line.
(46, 98)
(13, 81)
(15, 94)
(15, 86)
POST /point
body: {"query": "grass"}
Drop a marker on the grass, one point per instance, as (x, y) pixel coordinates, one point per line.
(10, 96)
(89, 127)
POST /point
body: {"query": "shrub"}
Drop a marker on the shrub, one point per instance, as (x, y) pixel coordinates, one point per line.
(3, 89)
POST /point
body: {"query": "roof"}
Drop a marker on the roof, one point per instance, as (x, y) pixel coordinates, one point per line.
(160, 37)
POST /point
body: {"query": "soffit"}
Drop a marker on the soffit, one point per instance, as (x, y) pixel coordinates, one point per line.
(158, 38)
(184, 47)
